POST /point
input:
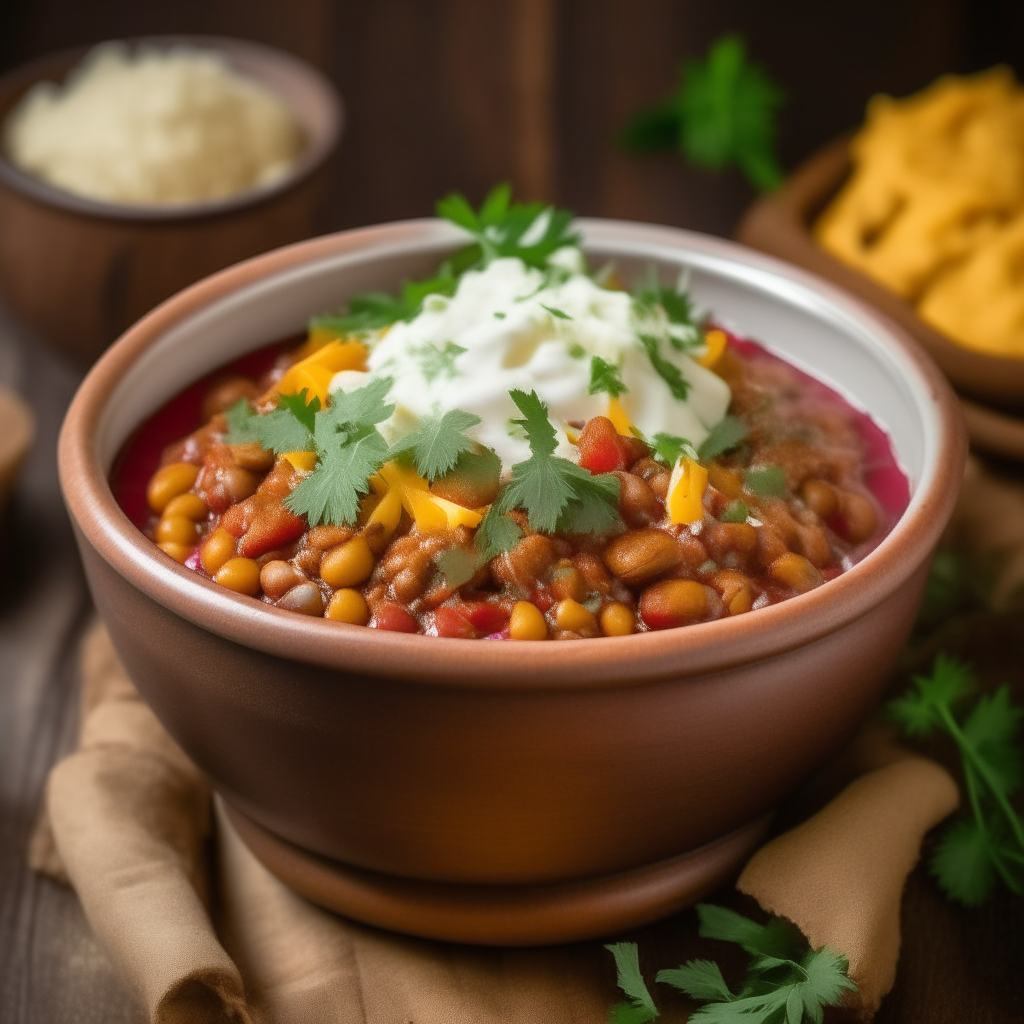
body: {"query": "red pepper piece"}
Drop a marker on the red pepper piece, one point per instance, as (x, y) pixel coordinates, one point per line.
(394, 618)
(485, 616)
(602, 448)
(451, 622)
(273, 527)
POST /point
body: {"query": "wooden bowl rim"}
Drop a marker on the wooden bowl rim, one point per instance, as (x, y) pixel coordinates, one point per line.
(322, 136)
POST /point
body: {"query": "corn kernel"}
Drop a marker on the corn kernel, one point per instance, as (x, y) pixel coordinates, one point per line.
(527, 622)
(176, 530)
(617, 619)
(169, 482)
(348, 605)
(216, 550)
(347, 564)
(242, 575)
(179, 552)
(571, 615)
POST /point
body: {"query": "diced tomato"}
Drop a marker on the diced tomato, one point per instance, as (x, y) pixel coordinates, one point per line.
(451, 622)
(602, 448)
(273, 527)
(394, 618)
(542, 599)
(485, 616)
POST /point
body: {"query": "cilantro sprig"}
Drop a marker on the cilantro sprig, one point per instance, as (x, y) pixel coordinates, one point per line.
(531, 232)
(786, 980)
(722, 113)
(437, 444)
(556, 494)
(974, 852)
(605, 378)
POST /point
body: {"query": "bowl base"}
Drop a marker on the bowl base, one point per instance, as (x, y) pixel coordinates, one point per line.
(512, 915)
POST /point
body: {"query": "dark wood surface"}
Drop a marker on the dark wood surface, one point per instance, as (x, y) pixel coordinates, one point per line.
(960, 967)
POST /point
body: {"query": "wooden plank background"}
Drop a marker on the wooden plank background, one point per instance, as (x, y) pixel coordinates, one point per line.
(444, 94)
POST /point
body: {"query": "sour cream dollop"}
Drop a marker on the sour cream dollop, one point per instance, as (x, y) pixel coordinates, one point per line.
(513, 326)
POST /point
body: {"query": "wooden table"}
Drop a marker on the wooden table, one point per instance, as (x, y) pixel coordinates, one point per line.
(960, 967)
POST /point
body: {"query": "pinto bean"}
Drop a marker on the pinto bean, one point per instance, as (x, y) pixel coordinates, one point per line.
(278, 577)
(736, 590)
(673, 603)
(858, 517)
(794, 571)
(526, 563)
(820, 496)
(305, 599)
(642, 555)
(638, 504)
(723, 538)
(252, 456)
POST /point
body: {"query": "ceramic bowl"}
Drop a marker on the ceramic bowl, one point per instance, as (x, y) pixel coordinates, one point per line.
(991, 387)
(489, 791)
(79, 270)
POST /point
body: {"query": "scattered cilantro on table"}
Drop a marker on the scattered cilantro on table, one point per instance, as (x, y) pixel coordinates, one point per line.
(605, 378)
(973, 852)
(723, 112)
(786, 980)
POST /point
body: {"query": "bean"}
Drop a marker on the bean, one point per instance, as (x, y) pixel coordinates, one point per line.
(813, 544)
(617, 619)
(735, 588)
(347, 564)
(567, 583)
(409, 584)
(191, 506)
(527, 622)
(304, 598)
(770, 546)
(637, 502)
(179, 552)
(348, 605)
(278, 577)
(642, 555)
(177, 530)
(325, 537)
(526, 563)
(252, 455)
(226, 393)
(593, 571)
(820, 496)
(216, 550)
(692, 550)
(658, 484)
(727, 481)
(242, 575)
(794, 571)
(673, 603)
(168, 482)
(721, 538)
(573, 616)
(859, 518)
(238, 482)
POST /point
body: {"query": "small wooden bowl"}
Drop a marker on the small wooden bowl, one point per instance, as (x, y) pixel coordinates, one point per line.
(780, 224)
(80, 271)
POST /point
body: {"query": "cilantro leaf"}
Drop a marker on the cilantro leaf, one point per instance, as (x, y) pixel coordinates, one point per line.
(547, 486)
(766, 481)
(331, 493)
(639, 1007)
(735, 512)
(364, 407)
(605, 378)
(458, 566)
(435, 362)
(495, 534)
(677, 305)
(669, 372)
(777, 938)
(699, 979)
(438, 442)
(560, 314)
(722, 113)
(287, 428)
(531, 232)
(726, 434)
(973, 852)
(669, 448)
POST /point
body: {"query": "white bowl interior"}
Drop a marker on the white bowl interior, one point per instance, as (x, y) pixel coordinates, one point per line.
(808, 322)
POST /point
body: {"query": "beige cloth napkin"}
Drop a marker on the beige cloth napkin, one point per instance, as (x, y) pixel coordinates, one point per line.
(128, 822)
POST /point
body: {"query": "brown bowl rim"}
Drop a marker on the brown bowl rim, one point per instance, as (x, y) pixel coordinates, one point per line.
(425, 660)
(55, 65)
(788, 213)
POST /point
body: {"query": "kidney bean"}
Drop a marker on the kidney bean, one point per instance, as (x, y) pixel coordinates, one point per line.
(278, 577)
(305, 598)
(642, 555)
(673, 603)
(638, 504)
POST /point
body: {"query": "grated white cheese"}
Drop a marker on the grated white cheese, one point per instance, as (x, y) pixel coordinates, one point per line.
(155, 126)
